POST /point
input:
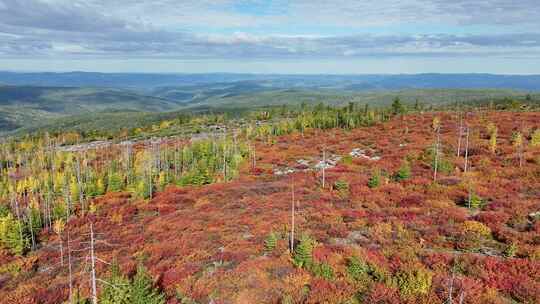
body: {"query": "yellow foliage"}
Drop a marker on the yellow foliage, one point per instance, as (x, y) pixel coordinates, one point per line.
(476, 228)
(58, 226)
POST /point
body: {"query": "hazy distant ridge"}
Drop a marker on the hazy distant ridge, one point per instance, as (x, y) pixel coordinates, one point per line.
(351, 82)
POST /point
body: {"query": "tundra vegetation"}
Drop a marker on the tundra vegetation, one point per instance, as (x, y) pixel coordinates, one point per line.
(444, 208)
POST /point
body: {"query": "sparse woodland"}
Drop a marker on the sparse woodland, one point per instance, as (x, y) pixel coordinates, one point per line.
(307, 205)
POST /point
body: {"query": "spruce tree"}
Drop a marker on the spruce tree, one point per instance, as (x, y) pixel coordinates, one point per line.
(404, 172)
(270, 242)
(115, 182)
(118, 288)
(303, 252)
(14, 234)
(375, 179)
(142, 290)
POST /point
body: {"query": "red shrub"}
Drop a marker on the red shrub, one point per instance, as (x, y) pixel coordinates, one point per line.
(382, 294)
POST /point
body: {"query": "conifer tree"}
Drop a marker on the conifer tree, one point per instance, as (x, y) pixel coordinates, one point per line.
(375, 179)
(142, 289)
(14, 235)
(397, 107)
(117, 290)
(270, 242)
(115, 182)
(404, 171)
(303, 253)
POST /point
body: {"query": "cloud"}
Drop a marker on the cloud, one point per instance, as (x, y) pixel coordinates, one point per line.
(72, 16)
(257, 29)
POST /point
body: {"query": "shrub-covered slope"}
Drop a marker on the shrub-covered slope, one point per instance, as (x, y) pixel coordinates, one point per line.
(380, 231)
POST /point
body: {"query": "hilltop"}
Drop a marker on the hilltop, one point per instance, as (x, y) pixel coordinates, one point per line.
(404, 238)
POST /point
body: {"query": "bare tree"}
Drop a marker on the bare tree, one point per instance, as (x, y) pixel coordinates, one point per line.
(450, 299)
(70, 270)
(292, 218)
(32, 236)
(80, 183)
(93, 263)
(466, 150)
(461, 297)
(437, 144)
(324, 167)
(460, 135)
(253, 157)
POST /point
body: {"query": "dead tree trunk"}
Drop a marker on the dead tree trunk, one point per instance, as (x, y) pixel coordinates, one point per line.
(292, 219)
(451, 291)
(460, 135)
(466, 151)
(32, 236)
(324, 168)
(437, 144)
(461, 297)
(70, 270)
(93, 262)
(80, 185)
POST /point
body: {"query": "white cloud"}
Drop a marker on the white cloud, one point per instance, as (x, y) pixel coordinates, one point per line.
(304, 29)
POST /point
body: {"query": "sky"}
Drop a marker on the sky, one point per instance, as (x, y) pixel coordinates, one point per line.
(256, 36)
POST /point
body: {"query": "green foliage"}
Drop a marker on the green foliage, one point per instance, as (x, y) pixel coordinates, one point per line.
(342, 187)
(142, 189)
(118, 290)
(511, 250)
(347, 160)
(13, 268)
(34, 221)
(59, 210)
(100, 187)
(413, 280)
(197, 177)
(4, 210)
(397, 107)
(14, 234)
(139, 290)
(303, 253)
(270, 242)
(404, 172)
(535, 138)
(492, 132)
(474, 201)
(444, 165)
(115, 182)
(142, 290)
(322, 270)
(375, 179)
(357, 269)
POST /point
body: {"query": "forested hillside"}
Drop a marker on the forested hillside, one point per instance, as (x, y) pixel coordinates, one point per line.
(30, 108)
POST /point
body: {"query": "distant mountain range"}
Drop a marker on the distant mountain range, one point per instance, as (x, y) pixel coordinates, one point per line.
(350, 82)
(28, 100)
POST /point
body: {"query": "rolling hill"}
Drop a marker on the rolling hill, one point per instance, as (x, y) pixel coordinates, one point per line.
(27, 106)
(22, 106)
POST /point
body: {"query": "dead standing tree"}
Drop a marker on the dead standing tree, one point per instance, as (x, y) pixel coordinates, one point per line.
(293, 214)
(437, 129)
(466, 164)
(460, 134)
(324, 167)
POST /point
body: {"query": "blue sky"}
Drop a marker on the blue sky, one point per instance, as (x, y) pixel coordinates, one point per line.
(302, 36)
